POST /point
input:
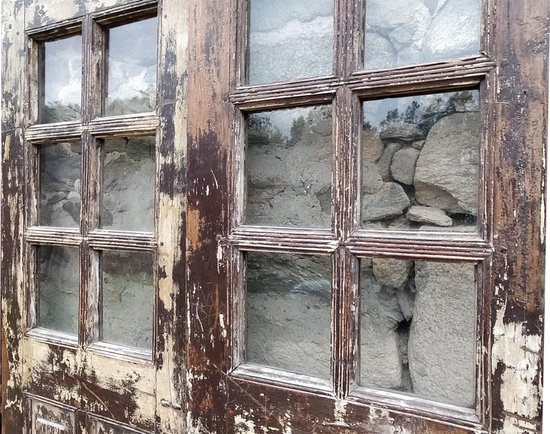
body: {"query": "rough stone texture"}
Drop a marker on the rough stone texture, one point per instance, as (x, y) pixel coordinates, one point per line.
(391, 272)
(442, 335)
(454, 31)
(282, 32)
(60, 185)
(398, 130)
(288, 312)
(447, 168)
(379, 51)
(373, 147)
(403, 165)
(420, 31)
(129, 184)
(289, 173)
(381, 361)
(389, 201)
(385, 160)
(426, 214)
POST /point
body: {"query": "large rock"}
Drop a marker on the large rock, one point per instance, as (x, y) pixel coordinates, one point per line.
(442, 335)
(429, 215)
(399, 130)
(389, 201)
(381, 357)
(385, 160)
(372, 146)
(446, 174)
(379, 52)
(288, 312)
(454, 31)
(391, 272)
(403, 165)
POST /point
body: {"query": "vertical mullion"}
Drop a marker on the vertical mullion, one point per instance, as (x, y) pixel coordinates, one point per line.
(87, 330)
(344, 324)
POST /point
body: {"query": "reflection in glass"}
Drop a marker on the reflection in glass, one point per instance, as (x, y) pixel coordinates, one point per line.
(288, 304)
(132, 68)
(288, 160)
(406, 32)
(62, 77)
(127, 298)
(289, 39)
(421, 162)
(418, 328)
(58, 283)
(60, 184)
(128, 184)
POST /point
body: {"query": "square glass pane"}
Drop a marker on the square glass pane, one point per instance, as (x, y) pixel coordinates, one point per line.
(59, 201)
(128, 184)
(132, 68)
(61, 72)
(288, 167)
(420, 162)
(289, 39)
(58, 284)
(418, 328)
(127, 298)
(404, 32)
(288, 303)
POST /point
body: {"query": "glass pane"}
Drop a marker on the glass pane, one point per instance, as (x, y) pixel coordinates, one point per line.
(132, 68)
(288, 160)
(418, 328)
(289, 39)
(127, 298)
(288, 312)
(60, 184)
(406, 32)
(421, 162)
(62, 71)
(58, 282)
(128, 184)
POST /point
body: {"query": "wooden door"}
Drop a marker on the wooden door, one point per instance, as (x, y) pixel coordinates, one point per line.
(365, 235)
(92, 216)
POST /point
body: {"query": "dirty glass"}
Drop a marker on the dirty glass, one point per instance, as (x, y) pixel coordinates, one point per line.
(420, 162)
(289, 39)
(128, 184)
(58, 283)
(127, 298)
(403, 32)
(59, 191)
(62, 77)
(418, 328)
(288, 167)
(288, 302)
(132, 68)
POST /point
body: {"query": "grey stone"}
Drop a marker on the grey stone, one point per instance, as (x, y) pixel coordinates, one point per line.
(446, 174)
(403, 165)
(405, 298)
(372, 146)
(379, 52)
(426, 214)
(442, 335)
(454, 31)
(372, 181)
(385, 160)
(389, 201)
(391, 272)
(381, 358)
(399, 130)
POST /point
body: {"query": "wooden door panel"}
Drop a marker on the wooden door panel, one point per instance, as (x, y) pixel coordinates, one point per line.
(49, 418)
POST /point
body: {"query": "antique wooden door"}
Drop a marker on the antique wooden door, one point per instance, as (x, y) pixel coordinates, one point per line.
(256, 216)
(365, 235)
(92, 215)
